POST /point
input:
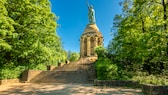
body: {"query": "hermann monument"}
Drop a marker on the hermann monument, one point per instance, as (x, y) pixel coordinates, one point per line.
(90, 38)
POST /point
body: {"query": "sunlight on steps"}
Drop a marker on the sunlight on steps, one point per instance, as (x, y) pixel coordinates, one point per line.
(69, 73)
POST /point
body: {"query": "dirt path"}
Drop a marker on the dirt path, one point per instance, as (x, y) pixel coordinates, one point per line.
(63, 89)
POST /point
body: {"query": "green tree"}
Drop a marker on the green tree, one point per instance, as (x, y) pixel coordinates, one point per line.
(7, 34)
(140, 40)
(28, 33)
(73, 56)
(100, 51)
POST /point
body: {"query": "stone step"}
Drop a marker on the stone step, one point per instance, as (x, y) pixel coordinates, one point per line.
(62, 77)
(69, 73)
(72, 67)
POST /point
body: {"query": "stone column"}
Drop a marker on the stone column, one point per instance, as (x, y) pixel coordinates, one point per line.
(88, 46)
(101, 41)
(95, 44)
(81, 47)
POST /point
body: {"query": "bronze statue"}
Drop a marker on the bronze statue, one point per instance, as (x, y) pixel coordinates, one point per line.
(91, 14)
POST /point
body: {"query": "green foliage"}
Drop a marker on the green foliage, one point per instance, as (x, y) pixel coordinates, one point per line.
(11, 73)
(140, 36)
(101, 51)
(139, 44)
(102, 68)
(151, 79)
(73, 56)
(28, 34)
(105, 70)
(40, 67)
(37, 67)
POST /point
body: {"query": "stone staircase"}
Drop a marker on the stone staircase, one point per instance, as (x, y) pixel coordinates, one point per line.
(68, 73)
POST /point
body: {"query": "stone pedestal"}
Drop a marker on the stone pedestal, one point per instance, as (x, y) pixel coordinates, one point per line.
(90, 39)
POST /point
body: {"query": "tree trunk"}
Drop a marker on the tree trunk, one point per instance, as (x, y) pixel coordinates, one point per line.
(164, 11)
(165, 24)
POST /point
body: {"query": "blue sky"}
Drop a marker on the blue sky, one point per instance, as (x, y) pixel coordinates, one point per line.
(73, 18)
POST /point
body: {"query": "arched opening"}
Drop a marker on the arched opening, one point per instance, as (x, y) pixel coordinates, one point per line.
(99, 42)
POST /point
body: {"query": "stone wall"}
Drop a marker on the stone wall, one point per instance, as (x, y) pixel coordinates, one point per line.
(9, 81)
(51, 67)
(116, 83)
(29, 75)
(61, 64)
(149, 89)
(87, 60)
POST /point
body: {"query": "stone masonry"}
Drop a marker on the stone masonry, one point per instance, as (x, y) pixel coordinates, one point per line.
(90, 39)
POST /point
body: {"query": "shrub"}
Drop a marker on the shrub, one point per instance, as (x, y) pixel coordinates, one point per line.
(151, 79)
(11, 73)
(40, 67)
(105, 70)
(74, 56)
(101, 51)
(36, 67)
